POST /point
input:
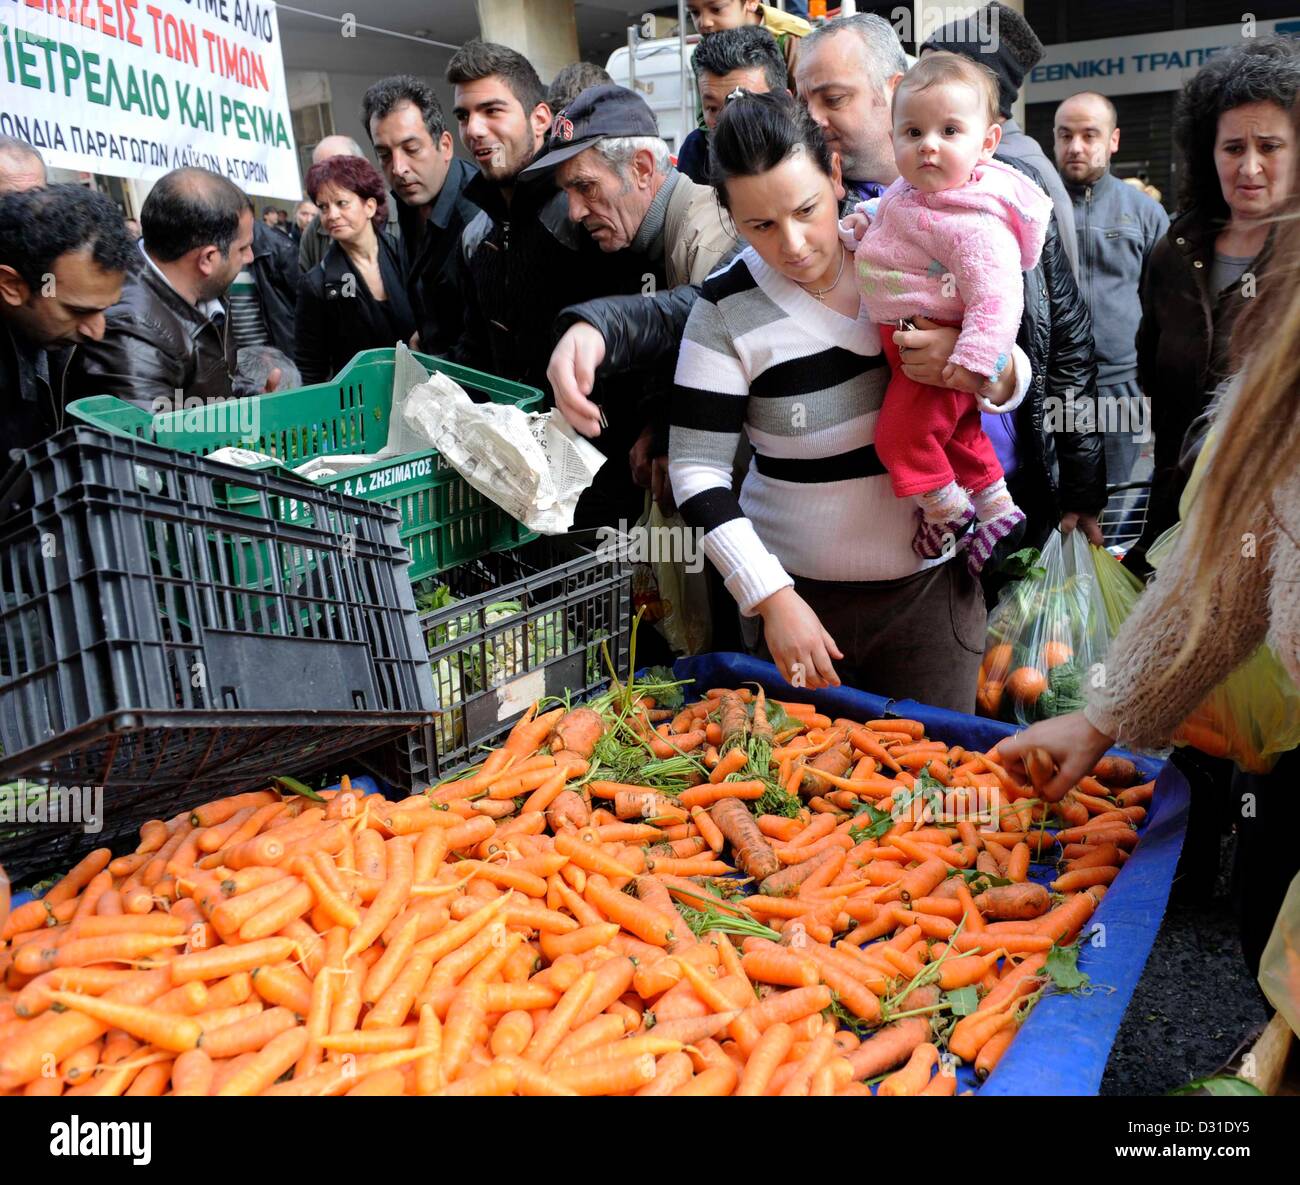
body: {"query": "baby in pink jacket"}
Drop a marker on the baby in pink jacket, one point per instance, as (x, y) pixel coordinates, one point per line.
(949, 241)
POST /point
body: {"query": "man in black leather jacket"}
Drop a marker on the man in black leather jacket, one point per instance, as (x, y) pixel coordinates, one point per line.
(63, 255)
(408, 131)
(169, 335)
(1060, 475)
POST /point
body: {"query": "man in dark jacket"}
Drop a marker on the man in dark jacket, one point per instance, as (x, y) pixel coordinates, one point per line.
(523, 259)
(64, 253)
(747, 59)
(169, 335)
(1119, 227)
(408, 130)
(265, 294)
(1057, 470)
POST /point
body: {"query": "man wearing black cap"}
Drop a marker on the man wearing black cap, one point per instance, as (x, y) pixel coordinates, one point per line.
(1001, 39)
(609, 160)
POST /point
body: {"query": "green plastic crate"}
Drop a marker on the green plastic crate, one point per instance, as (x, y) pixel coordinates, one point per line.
(445, 521)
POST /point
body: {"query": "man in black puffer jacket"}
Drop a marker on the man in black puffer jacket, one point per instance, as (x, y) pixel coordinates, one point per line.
(1059, 473)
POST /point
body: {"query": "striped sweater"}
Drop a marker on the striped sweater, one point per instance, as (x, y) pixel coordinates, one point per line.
(761, 356)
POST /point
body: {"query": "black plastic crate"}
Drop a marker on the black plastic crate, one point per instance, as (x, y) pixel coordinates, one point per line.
(489, 664)
(178, 627)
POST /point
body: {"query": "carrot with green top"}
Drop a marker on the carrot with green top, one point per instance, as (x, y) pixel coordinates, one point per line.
(531, 732)
(734, 721)
(731, 762)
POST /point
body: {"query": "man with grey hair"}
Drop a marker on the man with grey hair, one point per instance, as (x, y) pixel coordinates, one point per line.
(847, 72)
(570, 82)
(315, 240)
(614, 168)
(21, 166)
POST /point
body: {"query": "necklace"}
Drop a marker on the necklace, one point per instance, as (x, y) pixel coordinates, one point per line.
(820, 293)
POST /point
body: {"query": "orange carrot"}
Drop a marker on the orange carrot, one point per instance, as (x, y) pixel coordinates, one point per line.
(222, 961)
(973, 1030)
(557, 1024)
(992, 1050)
(1083, 878)
(733, 761)
(915, 1076)
(708, 795)
(247, 1035)
(166, 1030)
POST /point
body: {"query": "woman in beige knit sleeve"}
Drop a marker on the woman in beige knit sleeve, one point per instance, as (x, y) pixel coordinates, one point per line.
(1232, 583)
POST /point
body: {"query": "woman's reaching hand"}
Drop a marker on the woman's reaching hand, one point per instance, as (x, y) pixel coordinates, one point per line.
(1073, 744)
(802, 649)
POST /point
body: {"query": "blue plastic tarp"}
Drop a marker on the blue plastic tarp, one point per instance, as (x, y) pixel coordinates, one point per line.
(1063, 1046)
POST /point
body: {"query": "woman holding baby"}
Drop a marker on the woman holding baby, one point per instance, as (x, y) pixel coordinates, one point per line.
(872, 502)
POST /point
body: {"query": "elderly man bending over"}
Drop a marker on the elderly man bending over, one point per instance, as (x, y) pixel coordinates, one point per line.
(615, 169)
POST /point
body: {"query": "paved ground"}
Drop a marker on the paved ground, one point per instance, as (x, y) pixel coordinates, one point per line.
(1196, 1003)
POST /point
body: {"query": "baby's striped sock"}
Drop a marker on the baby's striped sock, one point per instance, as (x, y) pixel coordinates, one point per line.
(945, 514)
(997, 516)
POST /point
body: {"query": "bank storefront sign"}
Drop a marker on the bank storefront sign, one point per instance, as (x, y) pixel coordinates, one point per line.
(1139, 65)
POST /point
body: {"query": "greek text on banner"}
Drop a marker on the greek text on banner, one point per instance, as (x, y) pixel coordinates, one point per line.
(135, 88)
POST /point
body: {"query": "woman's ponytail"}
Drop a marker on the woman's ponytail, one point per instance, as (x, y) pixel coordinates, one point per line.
(758, 132)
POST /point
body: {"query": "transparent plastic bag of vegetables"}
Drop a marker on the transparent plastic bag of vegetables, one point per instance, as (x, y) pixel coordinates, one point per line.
(1051, 629)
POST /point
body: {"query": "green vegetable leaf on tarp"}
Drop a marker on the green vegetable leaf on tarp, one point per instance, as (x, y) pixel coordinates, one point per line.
(669, 697)
(973, 876)
(293, 786)
(962, 1001)
(1063, 966)
(1222, 1086)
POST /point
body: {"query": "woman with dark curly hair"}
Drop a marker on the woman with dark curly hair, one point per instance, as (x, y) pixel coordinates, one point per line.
(1238, 145)
(354, 299)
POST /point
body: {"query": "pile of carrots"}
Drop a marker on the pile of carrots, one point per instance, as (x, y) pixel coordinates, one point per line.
(526, 929)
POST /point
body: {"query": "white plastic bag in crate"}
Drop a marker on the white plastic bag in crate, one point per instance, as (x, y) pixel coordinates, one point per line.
(533, 466)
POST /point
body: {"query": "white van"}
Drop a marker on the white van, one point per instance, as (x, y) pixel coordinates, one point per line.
(656, 75)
